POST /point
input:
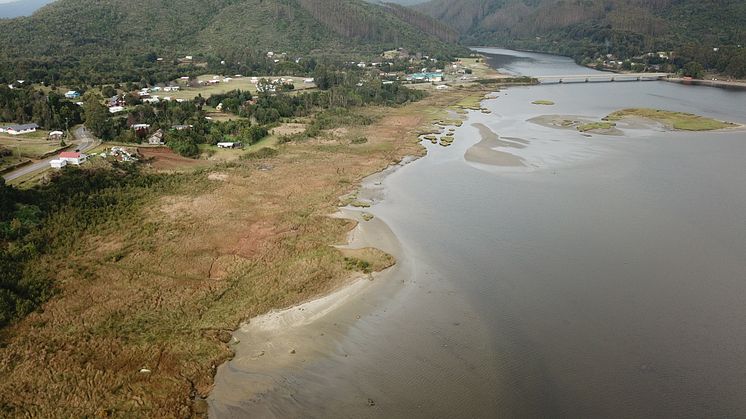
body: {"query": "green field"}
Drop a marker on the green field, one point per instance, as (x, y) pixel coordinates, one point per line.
(32, 145)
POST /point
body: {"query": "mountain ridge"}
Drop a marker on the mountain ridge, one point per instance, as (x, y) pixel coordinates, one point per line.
(99, 37)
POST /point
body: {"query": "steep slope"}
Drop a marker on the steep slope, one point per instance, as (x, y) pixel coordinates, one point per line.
(21, 7)
(677, 20)
(85, 35)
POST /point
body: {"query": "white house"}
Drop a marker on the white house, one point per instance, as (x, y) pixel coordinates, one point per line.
(72, 94)
(56, 135)
(71, 157)
(19, 129)
(172, 88)
(58, 164)
(442, 87)
(229, 145)
(116, 109)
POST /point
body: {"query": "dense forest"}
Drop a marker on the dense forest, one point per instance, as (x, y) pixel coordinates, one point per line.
(94, 42)
(50, 111)
(706, 33)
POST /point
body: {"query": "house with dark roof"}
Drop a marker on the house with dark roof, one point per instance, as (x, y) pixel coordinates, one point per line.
(19, 129)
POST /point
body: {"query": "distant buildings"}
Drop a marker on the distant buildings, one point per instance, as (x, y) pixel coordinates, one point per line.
(19, 129)
(425, 77)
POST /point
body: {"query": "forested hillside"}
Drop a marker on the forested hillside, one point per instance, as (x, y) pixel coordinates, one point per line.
(107, 41)
(591, 28)
(21, 7)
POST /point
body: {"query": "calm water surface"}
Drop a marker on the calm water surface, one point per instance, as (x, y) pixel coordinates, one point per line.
(607, 278)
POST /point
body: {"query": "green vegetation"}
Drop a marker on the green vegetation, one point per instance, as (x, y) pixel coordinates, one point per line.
(596, 126)
(25, 104)
(93, 42)
(543, 102)
(46, 220)
(676, 120)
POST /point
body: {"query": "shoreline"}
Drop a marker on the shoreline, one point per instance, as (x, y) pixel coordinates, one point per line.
(290, 336)
(283, 325)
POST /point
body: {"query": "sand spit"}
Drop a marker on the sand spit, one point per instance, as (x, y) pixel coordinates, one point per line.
(484, 152)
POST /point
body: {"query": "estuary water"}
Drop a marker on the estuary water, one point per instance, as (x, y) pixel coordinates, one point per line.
(604, 275)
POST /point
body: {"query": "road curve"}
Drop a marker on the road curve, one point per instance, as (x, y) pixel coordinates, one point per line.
(84, 141)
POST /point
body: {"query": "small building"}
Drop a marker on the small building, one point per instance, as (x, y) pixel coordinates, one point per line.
(71, 157)
(141, 127)
(230, 145)
(72, 94)
(116, 109)
(58, 163)
(441, 87)
(172, 88)
(425, 77)
(56, 135)
(182, 127)
(157, 138)
(19, 129)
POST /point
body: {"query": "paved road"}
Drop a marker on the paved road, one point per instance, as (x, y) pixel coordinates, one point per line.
(84, 141)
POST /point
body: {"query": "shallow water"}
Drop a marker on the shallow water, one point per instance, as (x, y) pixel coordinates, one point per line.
(606, 278)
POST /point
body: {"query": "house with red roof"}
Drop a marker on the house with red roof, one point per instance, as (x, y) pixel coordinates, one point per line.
(68, 157)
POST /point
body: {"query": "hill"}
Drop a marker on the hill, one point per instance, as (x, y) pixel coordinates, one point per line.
(98, 40)
(588, 29)
(21, 7)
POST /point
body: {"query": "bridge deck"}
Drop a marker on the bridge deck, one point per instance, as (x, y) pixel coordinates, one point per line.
(606, 77)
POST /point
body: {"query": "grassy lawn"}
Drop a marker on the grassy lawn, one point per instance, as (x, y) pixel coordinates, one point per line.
(243, 83)
(31, 145)
(676, 120)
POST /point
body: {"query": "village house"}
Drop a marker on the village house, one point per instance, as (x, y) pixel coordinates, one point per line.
(116, 109)
(72, 94)
(58, 164)
(182, 127)
(56, 135)
(19, 129)
(230, 145)
(140, 127)
(172, 88)
(68, 157)
(157, 138)
(115, 101)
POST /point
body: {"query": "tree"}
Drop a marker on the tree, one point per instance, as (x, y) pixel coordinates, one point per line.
(693, 69)
(97, 116)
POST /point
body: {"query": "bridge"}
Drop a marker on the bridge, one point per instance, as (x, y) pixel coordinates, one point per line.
(601, 78)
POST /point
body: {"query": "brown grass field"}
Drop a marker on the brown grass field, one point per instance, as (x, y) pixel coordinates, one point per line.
(163, 289)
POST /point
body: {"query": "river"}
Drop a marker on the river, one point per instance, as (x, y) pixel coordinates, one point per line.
(603, 276)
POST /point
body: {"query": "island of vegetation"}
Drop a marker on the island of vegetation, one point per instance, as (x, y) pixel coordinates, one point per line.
(543, 102)
(602, 126)
(673, 120)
